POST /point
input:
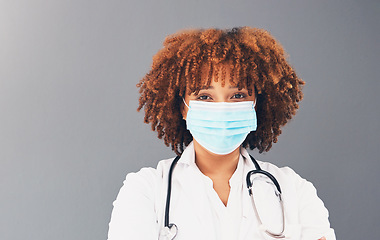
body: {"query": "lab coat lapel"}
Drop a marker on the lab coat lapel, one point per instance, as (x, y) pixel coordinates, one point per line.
(192, 186)
(249, 220)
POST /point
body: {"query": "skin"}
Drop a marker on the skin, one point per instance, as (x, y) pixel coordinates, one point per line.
(219, 168)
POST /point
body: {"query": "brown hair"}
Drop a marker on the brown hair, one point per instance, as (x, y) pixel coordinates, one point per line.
(257, 62)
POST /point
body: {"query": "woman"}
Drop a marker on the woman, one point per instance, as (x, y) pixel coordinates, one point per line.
(209, 95)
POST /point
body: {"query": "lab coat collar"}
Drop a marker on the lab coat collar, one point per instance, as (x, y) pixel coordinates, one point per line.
(185, 176)
(249, 218)
(248, 166)
(188, 156)
(187, 179)
(188, 159)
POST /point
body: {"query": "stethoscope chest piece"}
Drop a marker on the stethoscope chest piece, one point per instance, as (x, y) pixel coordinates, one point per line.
(169, 232)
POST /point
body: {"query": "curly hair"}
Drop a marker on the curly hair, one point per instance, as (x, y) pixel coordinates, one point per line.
(256, 61)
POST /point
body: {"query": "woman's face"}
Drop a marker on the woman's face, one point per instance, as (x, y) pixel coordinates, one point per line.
(217, 93)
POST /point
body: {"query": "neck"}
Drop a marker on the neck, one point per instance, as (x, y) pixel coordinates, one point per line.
(213, 165)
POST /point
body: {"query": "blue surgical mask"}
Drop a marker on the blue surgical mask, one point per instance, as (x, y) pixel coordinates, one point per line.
(221, 127)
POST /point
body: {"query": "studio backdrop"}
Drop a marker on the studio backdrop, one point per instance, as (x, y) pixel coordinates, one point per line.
(70, 132)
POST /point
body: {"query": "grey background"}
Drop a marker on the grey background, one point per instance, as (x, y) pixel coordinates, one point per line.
(69, 130)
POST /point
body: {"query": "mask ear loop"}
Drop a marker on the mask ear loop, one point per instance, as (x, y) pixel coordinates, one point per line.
(185, 103)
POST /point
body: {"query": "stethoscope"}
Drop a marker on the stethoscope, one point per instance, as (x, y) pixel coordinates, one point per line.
(169, 231)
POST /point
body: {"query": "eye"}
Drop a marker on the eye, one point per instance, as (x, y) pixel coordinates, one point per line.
(239, 95)
(203, 97)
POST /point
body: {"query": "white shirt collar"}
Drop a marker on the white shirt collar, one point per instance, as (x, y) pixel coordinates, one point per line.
(188, 158)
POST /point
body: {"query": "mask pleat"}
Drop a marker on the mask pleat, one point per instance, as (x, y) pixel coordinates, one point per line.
(221, 127)
(222, 124)
(222, 132)
(221, 116)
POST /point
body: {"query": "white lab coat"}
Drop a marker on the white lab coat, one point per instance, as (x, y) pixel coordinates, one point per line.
(140, 205)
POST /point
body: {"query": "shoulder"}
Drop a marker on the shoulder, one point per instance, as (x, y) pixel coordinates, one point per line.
(137, 204)
(143, 184)
(280, 171)
(291, 181)
(301, 196)
(148, 177)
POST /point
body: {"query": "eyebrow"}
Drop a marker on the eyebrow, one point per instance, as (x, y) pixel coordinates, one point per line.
(211, 87)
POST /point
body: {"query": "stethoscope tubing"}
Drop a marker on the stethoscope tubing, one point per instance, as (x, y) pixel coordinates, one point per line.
(167, 207)
(258, 170)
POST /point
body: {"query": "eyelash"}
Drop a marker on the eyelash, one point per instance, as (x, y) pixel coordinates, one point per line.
(241, 94)
(201, 97)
